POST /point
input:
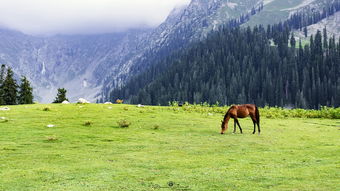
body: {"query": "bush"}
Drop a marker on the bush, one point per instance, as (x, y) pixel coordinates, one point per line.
(266, 112)
(51, 139)
(88, 123)
(46, 109)
(155, 127)
(123, 123)
(119, 101)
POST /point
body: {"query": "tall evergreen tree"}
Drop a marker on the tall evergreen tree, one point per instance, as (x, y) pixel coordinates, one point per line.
(25, 92)
(2, 79)
(10, 88)
(61, 96)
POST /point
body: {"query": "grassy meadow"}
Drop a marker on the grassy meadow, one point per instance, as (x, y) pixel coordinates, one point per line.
(164, 148)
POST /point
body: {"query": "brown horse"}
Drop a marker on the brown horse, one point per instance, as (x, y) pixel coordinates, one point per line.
(241, 111)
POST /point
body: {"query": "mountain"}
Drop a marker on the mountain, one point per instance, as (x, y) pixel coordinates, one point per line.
(183, 26)
(84, 64)
(91, 66)
(275, 11)
(76, 62)
(258, 65)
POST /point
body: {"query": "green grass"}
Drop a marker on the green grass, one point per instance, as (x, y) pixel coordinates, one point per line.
(273, 12)
(162, 146)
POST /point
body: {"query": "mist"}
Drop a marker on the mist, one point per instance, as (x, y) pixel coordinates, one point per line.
(49, 17)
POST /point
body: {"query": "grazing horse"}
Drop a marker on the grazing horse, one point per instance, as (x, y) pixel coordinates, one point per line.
(241, 111)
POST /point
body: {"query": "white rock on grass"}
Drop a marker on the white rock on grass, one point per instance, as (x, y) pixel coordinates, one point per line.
(50, 126)
(140, 105)
(83, 101)
(4, 109)
(65, 102)
(2, 118)
(108, 103)
(109, 107)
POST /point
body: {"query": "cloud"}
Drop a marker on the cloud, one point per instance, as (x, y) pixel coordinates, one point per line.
(83, 16)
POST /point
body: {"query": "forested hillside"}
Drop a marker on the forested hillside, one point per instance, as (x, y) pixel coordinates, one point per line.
(237, 65)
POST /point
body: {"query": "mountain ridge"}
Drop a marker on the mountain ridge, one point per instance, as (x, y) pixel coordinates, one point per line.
(90, 66)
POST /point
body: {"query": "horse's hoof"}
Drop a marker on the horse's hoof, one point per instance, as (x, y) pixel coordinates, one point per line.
(222, 133)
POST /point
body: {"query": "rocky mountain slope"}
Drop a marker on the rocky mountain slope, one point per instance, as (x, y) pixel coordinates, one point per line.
(72, 62)
(83, 63)
(90, 66)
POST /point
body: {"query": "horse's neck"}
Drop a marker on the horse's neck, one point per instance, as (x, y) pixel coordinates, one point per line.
(226, 118)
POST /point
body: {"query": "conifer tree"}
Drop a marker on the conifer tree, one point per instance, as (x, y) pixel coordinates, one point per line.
(61, 96)
(9, 87)
(2, 78)
(25, 92)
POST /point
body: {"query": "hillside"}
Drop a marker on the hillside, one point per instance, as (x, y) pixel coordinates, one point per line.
(248, 65)
(163, 147)
(84, 64)
(235, 66)
(91, 66)
(72, 62)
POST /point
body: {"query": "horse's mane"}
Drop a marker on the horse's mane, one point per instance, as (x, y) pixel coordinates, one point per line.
(226, 115)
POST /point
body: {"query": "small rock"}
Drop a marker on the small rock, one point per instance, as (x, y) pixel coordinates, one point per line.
(50, 126)
(4, 109)
(109, 107)
(210, 114)
(83, 101)
(140, 105)
(108, 103)
(2, 118)
(65, 102)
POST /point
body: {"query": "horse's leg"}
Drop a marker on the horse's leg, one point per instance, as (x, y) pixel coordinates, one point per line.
(239, 126)
(234, 126)
(258, 126)
(254, 122)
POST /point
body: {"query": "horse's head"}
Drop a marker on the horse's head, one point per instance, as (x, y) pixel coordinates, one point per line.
(223, 127)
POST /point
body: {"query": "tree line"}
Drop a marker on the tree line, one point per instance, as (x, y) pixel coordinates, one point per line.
(12, 93)
(300, 20)
(244, 65)
(176, 41)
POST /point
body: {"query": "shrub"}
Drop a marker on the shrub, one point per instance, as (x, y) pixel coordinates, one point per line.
(88, 123)
(267, 112)
(46, 109)
(3, 120)
(51, 139)
(119, 101)
(123, 123)
(156, 127)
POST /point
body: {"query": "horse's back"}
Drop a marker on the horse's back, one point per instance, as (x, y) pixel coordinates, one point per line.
(244, 110)
(250, 107)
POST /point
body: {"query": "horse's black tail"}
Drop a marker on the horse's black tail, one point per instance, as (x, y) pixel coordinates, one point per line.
(257, 113)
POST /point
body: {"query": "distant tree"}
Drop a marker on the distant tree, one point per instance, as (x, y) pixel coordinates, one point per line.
(25, 92)
(2, 79)
(292, 41)
(9, 87)
(61, 96)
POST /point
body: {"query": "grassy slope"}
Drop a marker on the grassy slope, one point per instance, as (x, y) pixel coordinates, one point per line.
(290, 154)
(273, 12)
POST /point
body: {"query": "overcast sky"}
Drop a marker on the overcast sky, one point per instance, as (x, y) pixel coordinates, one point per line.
(46, 17)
